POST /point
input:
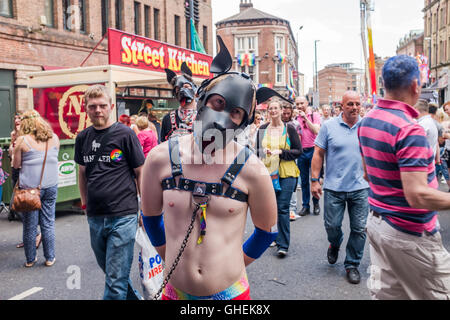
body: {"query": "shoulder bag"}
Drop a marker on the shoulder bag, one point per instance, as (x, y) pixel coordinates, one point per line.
(27, 200)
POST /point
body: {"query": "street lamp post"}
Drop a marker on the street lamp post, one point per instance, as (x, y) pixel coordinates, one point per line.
(298, 58)
(316, 98)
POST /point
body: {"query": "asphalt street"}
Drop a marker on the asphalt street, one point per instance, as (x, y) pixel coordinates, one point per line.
(303, 275)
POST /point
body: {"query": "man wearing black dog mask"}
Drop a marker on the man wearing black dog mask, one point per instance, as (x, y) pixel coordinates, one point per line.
(179, 122)
(195, 212)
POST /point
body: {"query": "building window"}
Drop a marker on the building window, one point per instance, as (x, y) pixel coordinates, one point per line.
(251, 71)
(119, 8)
(247, 44)
(205, 38)
(105, 16)
(48, 9)
(177, 30)
(137, 17)
(82, 16)
(156, 23)
(279, 76)
(147, 21)
(67, 24)
(6, 8)
(188, 33)
(279, 44)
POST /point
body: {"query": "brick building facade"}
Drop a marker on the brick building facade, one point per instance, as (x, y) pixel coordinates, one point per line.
(269, 40)
(335, 79)
(39, 34)
(411, 44)
(437, 44)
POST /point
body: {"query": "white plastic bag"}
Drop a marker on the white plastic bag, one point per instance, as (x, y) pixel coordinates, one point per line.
(151, 269)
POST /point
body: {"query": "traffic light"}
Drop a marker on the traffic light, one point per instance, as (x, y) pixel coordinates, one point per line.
(187, 9)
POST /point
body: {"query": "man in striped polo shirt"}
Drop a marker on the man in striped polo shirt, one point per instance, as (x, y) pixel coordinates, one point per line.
(407, 255)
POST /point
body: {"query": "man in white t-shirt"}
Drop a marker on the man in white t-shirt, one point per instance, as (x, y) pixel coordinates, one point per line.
(431, 130)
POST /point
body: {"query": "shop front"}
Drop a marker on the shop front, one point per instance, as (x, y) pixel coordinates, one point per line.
(136, 81)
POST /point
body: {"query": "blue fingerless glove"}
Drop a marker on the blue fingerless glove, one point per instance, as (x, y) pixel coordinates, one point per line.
(258, 242)
(154, 226)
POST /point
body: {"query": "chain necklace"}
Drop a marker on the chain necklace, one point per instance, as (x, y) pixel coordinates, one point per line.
(183, 246)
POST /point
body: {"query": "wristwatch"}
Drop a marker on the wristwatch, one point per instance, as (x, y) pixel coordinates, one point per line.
(314, 179)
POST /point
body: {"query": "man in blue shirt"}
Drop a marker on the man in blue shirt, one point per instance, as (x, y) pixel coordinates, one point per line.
(344, 183)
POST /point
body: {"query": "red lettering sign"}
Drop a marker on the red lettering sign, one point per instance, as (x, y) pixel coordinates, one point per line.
(134, 51)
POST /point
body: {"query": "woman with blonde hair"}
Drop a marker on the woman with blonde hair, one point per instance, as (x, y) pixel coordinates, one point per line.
(36, 142)
(146, 136)
(278, 145)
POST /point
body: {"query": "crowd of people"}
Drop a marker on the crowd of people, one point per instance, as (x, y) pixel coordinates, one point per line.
(378, 162)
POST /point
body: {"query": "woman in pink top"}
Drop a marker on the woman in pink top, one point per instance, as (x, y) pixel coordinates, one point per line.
(146, 136)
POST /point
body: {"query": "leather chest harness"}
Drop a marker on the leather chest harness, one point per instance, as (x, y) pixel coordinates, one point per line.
(200, 188)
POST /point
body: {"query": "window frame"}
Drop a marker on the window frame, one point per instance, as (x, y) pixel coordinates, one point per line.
(137, 17)
(283, 74)
(118, 14)
(245, 40)
(51, 16)
(83, 21)
(10, 8)
(177, 30)
(147, 21)
(105, 5)
(156, 23)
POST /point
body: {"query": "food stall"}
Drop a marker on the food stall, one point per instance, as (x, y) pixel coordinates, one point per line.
(135, 73)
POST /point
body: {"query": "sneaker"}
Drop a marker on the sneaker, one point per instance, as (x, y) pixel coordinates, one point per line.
(281, 253)
(332, 254)
(31, 264)
(49, 263)
(293, 216)
(273, 244)
(353, 276)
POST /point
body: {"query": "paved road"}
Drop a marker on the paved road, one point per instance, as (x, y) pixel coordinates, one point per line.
(303, 275)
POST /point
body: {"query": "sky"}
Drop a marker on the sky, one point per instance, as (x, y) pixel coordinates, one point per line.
(336, 24)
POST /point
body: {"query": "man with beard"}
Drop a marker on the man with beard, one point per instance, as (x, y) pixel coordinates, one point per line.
(110, 158)
(179, 122)
(197, 190)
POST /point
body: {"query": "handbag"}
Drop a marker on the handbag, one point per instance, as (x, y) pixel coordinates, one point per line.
(151, 267)
(276, 181)
(26, 200)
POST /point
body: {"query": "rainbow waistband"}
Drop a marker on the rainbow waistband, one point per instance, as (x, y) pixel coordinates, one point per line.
(235, 290)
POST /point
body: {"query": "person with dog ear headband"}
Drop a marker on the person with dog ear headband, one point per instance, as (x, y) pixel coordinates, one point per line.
(205, 183)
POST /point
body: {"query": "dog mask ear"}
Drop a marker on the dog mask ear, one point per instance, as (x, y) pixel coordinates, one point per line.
(170, 75)
(264, 94)
(185, 69)
(223, 62)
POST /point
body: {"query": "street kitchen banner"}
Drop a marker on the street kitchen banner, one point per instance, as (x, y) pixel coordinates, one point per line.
(133, 51)
(63, 108)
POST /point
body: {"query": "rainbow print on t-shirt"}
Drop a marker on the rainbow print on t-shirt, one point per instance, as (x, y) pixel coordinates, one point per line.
(116, 155)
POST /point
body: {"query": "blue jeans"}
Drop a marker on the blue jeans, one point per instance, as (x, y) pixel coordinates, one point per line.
(304, 164)
(45, 217)
(112, 240)
(358, 210)
(284, 196)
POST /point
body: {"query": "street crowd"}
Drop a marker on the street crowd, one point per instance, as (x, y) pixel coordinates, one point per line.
(381, 162)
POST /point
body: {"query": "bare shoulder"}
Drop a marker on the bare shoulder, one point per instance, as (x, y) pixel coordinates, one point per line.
(159, 155)
(254, 170)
